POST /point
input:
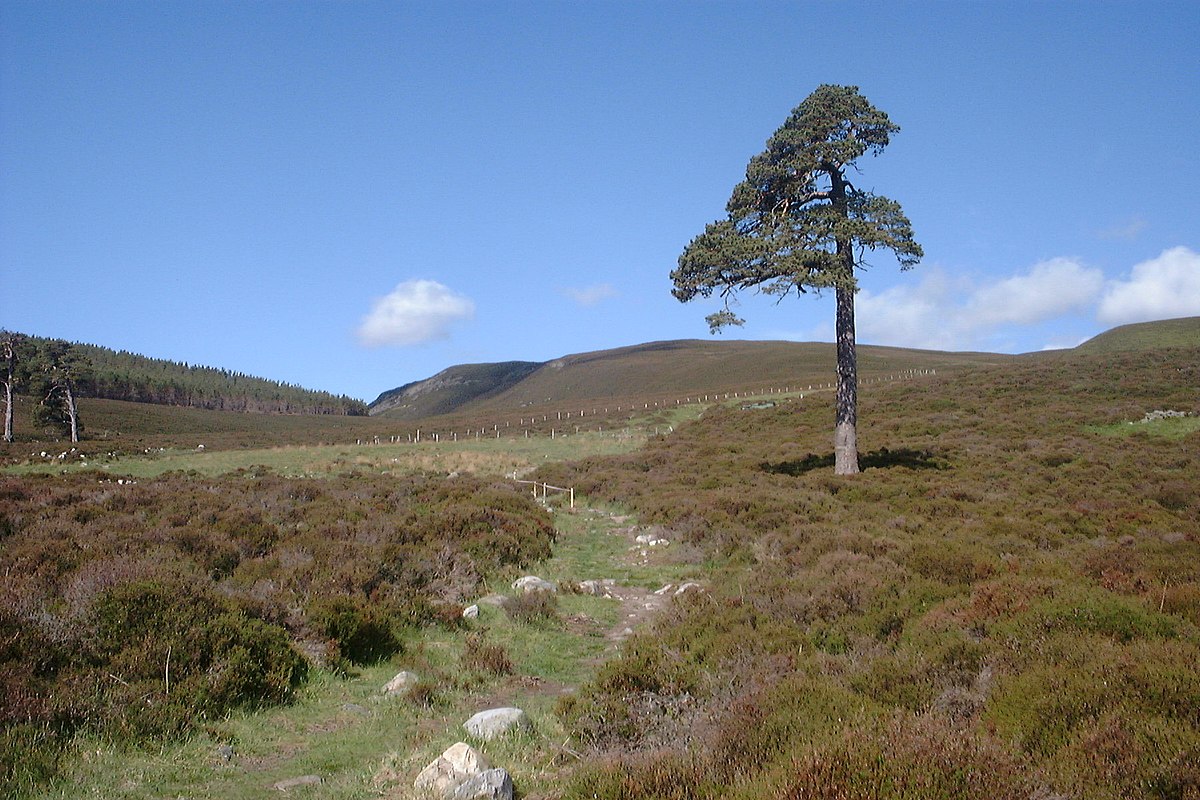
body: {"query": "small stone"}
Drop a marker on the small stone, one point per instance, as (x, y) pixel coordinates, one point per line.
(532, 583)
(597, 588)
(403, 681)
(471, 612)
(225, 753)
(495, 722)
(303, 780)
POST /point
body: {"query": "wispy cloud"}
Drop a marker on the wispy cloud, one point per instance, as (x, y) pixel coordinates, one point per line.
(1162, 288)
(414, 312)
(591, 295)
(1126, 231)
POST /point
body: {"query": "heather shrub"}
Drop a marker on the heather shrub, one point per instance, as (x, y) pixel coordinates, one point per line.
(29, 757)
(533, 608)
(160, 656)
(1015, 591)
(361, 633)
(481, 655)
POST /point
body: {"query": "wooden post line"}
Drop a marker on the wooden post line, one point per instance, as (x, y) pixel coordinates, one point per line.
(525, 422)
(545, 486)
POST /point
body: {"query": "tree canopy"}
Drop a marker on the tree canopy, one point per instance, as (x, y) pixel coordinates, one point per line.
(796, 222)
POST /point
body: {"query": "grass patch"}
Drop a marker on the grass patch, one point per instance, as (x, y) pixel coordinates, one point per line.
(1172, 428)
(492, 457)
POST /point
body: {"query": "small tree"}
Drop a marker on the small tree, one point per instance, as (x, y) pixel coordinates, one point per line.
(797, 223)
(14, 349)
(60, 369)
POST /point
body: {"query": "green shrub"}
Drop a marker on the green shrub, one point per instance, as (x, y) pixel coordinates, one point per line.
(362, 633)
(163, 656)
(480, 655)
(533, 608)
(29, 757)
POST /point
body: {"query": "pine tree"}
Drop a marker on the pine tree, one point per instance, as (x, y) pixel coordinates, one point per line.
(797, 223)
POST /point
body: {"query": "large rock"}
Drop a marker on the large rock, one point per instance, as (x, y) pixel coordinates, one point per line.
(451, 769)
(532, 583)
(487, 725)
(401, 683)
(492, 784)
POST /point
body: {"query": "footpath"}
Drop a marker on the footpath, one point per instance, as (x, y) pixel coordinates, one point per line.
(465, 711)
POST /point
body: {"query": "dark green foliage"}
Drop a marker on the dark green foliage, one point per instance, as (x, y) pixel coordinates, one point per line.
(797, 223)
(59, 373)
(795, 220)
(118, 375)
(161, 656)
(1012, 612)
(362, 633)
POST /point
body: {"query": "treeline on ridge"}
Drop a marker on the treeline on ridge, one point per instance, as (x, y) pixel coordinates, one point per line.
(121, 375)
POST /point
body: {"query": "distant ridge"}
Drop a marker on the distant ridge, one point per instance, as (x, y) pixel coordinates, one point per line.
(646, 371)
(1181, 332)
(451, 389)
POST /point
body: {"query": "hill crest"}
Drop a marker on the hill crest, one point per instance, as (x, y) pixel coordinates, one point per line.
(650, 370)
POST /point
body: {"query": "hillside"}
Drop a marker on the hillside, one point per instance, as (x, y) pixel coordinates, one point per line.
(1004, 603)
(120, 375)
(451, 389)
(1182, 332)
(651, 370)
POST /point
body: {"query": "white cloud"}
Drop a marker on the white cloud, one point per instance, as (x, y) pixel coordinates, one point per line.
(942, 313)
(910, 314)
(1162, 288)
(591, 295)
(416, 311)
(1050, 289)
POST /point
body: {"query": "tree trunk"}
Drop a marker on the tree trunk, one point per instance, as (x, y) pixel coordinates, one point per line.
(73, 413)
(845, 433)
(8, 410)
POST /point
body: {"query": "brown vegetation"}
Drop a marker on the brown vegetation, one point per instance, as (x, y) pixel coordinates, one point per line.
(138, 610)
(1002, 604)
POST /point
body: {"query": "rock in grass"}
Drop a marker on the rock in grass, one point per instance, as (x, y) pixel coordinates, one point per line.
(403, 681)
(487, 725)
(598, 588)
(492, 784)
(532, 583)
(457, 765)
(293, 783)
(471, 612)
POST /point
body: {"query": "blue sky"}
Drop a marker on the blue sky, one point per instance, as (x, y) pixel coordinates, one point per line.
(353, 195)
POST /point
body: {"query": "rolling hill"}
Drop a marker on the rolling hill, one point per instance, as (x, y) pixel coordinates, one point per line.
(651, 370)
(1182, 332)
